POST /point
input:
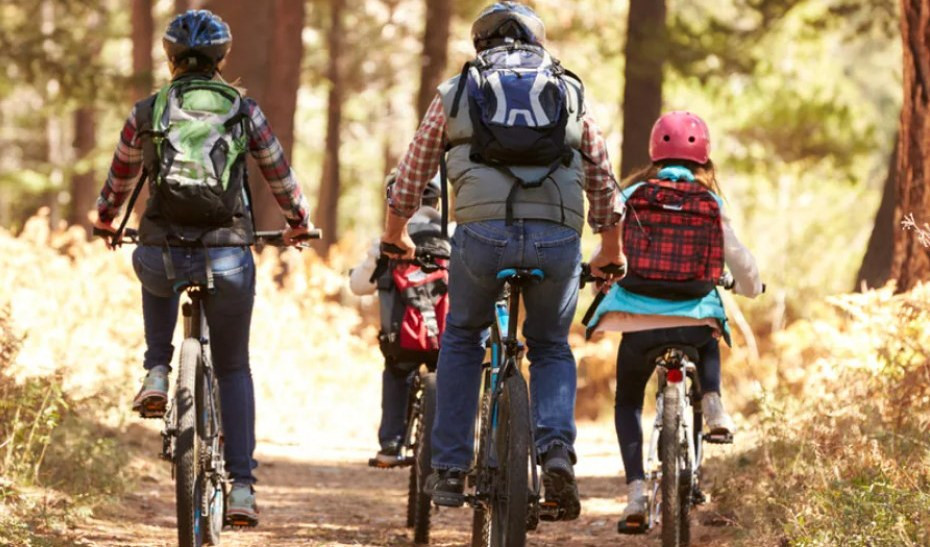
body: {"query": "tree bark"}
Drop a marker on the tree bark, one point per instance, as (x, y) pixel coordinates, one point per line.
(435, 51)
(911, 260)
(327, 217)
(646, 52)
(143, 33)
(284, 69)
(876, 264)
(83, 182)
(253, 27)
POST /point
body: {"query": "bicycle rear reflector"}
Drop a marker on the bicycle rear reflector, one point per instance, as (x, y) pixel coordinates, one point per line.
(674, 376)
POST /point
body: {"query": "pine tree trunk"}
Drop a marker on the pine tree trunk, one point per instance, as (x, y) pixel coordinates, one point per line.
(435, 51)
(327, 217)
(180, 6)
(911, 260)
(253, 27)
(646, 51)
(280, 101)
(876, 264)
(83, 182)
(143, 33)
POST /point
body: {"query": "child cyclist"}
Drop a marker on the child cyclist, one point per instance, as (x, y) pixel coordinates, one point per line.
(400, 364)
(192, 231)
(676, 238)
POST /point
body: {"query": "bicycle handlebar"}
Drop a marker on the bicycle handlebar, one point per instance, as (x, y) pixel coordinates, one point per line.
(727, 282)
(587, 276)
(272, 237)
(424, 258)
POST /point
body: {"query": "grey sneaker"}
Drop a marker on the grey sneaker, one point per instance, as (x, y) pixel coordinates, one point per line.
(715, 415)
(633, 520)
(241, 509)
(389, 456)
(152, 398)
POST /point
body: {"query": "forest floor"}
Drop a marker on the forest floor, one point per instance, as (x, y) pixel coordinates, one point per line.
(326, 495)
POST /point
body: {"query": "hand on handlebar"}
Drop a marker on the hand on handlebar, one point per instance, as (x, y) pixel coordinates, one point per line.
(293, 236)
(399, 247)
(106, 231)
(608, 268)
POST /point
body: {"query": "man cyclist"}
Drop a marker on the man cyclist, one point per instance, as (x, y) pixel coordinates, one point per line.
(196, 44)
(503, 226)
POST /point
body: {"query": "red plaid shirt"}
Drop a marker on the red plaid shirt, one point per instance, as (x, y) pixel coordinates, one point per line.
(263, 145)
(422, 161)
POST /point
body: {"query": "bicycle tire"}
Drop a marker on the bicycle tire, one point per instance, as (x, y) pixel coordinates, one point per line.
(423, 467)
(215, 494)
(480, 523)
(509, 511)
(671, 478)
(414, 413)
(188, 484)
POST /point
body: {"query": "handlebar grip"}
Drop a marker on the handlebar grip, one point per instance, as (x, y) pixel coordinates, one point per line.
(614, 269)
(97, 232)
(391, 248)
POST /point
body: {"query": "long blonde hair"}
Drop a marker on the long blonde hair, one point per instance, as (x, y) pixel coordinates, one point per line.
(705, 174)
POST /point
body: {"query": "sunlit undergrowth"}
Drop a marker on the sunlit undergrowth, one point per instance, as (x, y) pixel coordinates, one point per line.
(843, 454)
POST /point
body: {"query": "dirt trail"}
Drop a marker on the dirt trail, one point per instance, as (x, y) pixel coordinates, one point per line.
(328, 496)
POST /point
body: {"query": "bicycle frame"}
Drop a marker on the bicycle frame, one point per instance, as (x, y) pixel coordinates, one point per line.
(506, 357)
(681, 373)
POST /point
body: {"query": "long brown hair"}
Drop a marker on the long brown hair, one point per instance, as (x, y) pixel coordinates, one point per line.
(705, 174)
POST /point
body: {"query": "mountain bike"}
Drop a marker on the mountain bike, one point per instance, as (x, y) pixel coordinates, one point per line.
(673, 466)
(192, 439)
(421, 412)
(505, 477)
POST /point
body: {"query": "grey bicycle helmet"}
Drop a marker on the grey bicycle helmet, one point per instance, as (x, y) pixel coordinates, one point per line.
(507, 20)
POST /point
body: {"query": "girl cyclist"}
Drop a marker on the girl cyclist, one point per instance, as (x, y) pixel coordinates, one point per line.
(173, 248)
(679, 150)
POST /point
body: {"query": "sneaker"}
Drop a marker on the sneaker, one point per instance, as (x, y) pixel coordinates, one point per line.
(633, 520)
(719, 423)
(241, 509)
(389, 456)
(152, 398)
(446, 487)
(560, 485)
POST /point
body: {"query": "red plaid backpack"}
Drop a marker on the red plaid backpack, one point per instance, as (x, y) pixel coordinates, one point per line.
(673, 240)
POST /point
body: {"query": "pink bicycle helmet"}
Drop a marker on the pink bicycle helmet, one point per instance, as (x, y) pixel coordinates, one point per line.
(680, 136)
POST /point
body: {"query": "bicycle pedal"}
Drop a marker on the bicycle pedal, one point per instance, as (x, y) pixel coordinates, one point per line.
(718, 438)
(550, 511)
(632, 527)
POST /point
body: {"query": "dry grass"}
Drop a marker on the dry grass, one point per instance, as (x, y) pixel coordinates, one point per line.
(843, 456)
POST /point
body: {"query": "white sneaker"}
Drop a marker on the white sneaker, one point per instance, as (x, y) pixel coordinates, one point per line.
(637, 502)
(715, 415)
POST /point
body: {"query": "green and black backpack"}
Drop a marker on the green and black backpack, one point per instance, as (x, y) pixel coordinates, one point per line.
(199, 140)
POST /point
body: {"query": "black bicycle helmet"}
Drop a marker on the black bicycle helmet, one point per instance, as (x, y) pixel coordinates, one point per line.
(198, 33)
(431, 192)
(507, 21)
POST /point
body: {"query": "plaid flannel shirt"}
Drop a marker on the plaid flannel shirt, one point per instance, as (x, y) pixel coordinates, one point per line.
(263, 146)
(421, 162)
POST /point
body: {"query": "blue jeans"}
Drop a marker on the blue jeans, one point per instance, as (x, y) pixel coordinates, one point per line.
(479, 251)
(395, 390)
(229, 316)
(633, 373)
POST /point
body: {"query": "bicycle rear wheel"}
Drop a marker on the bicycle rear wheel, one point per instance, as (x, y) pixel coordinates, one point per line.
(510, 497)
(422, 467)
(189, 483)
(414, 420)
(481, 523)
(670, 451)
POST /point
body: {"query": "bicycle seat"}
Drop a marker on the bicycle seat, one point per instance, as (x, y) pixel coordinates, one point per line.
(521, 276)
(656, 354)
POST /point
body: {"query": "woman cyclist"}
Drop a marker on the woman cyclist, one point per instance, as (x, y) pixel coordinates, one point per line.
(172, 250)
(679, 150)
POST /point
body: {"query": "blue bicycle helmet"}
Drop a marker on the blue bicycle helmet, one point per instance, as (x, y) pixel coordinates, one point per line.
(197, 33)
(503, 21)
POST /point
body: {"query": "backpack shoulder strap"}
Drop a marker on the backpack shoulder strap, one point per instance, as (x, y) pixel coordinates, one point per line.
(460, 89)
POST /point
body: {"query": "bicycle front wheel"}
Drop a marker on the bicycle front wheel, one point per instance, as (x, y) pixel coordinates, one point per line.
(189, 483)
(670, 452)
(422, 466)
(510, 497)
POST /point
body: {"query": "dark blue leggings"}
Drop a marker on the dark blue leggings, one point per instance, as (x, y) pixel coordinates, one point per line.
(633, 373)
